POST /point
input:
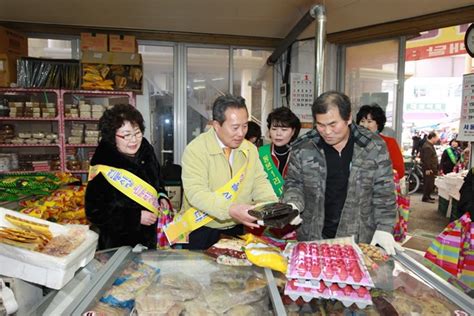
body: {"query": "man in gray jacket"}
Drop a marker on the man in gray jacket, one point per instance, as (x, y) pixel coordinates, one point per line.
(340, 178)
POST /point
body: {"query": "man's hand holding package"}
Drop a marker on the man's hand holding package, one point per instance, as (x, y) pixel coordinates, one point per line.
(386, 241)
(239, 212)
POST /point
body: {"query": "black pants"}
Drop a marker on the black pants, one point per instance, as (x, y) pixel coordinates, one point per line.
(428, 185)
(204, 237)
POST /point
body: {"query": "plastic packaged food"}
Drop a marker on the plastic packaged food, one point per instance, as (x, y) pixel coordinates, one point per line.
(24, 135)
(274, 214)
(327, 269)
(38, 135)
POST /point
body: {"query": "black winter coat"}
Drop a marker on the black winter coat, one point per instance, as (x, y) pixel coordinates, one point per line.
(116, 216)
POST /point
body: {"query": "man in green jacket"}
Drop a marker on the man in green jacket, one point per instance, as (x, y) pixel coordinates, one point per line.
(340, 178)
(207, 169)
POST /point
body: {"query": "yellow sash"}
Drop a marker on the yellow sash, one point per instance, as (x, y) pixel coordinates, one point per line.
(184, 223)
(130, 185)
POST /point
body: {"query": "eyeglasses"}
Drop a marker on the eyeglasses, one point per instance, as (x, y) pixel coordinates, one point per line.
(128, 137)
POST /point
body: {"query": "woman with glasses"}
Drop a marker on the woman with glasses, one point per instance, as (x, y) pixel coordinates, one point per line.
(124, 194)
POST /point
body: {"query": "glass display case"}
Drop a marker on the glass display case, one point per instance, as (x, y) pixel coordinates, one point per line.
(403, 286)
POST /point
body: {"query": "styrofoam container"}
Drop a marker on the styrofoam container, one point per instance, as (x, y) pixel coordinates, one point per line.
(36, 267)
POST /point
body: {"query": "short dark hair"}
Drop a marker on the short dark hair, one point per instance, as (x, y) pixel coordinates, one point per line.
(253, 130)
(284, 117)
(223, 102)
(432, 135)
(329, 99)
(453, 140)
(376, 112)
(113, 119)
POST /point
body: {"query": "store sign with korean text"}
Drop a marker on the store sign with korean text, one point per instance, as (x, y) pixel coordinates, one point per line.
(443, 42)
(466, 124)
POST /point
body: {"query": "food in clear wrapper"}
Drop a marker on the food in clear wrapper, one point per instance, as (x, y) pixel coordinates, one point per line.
(63, 245)
(229, 251)
(135, 278)
(225, 291)
(330, 270)
(274, 214)
(373, 252)
(262, 254)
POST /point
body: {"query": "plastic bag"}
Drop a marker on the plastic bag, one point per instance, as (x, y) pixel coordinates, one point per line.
(264, 255)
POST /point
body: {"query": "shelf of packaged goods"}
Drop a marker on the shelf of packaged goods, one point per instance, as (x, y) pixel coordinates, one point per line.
(9, 118)
(80, 119)
(98, 93)
(60, 119)
(29, 145)
(81, 145)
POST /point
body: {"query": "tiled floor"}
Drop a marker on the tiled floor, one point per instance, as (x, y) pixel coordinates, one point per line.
(425, 219)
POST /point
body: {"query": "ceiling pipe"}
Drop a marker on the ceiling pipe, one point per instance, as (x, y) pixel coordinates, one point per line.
(302, 24)
(318, 12)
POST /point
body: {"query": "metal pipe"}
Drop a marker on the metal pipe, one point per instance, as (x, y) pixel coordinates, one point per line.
(318, 12)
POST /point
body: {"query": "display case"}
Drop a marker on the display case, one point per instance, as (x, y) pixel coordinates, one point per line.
(48, 130)
(222, 287)
(403, 286)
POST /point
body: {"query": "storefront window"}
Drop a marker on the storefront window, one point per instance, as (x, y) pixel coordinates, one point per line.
(207, 78)
(159, 94)
(252, 81)
(371, 77)
(435, 64)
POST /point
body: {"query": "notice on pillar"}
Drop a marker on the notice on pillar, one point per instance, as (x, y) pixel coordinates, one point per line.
(302, 95)
(466, 125)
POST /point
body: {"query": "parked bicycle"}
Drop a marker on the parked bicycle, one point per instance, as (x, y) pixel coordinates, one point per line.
(414, 176)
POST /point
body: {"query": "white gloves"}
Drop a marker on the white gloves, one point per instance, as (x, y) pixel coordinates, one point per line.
(297, 220)
(386, 241)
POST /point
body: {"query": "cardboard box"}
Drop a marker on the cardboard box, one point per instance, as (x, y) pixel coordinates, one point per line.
(122, 43)
(12, 42)
(7, 69)
(112, 71)
(40, 268)
(95, 42)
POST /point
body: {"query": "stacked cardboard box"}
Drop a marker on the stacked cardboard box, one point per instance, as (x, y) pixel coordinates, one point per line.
(13, 45)
(110, 62)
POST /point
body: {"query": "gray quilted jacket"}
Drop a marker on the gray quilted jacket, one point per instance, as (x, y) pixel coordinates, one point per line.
(370, 203)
